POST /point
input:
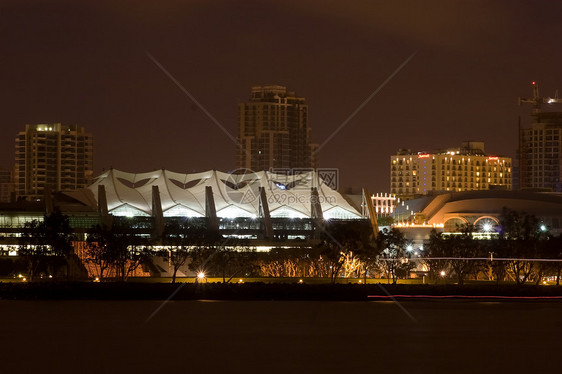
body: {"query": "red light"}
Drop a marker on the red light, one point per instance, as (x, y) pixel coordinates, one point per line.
(533, 83)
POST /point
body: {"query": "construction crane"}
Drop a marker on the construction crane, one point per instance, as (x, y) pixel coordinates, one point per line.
(537, 101)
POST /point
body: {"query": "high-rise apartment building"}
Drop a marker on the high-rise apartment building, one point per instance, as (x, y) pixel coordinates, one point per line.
(56, 156)
(540, 153)
(456, 169)
(273, 130)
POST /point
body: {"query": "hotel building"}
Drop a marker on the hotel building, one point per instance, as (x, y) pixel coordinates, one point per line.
(465, 168)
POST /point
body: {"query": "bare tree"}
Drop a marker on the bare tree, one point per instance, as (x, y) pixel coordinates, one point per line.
(435, 249)
(463, 248)
(99, 248)
(179, 239)
(520, 238)
(393, 256)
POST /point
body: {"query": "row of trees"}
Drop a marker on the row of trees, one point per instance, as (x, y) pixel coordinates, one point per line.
(118, 249)
(345, 249)
(521, 251)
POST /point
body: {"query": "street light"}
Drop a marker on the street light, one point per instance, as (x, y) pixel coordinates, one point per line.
(442, 273)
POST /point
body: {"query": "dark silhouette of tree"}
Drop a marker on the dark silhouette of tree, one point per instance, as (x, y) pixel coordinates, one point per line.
(229, 262)
(520, 239)
(128, 253)
(33, 247)
(58, 233)
(367, 251)
(542, 268)
(100, 246)
(199, 258)
(553, 250)
(180, 238)
(393, 257)
(226, 258)
(436, 248)
(339, 239)
(463, 248)
(118, 248)
(42, 239)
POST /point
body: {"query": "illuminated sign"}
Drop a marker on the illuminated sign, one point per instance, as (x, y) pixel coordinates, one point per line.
(493, 158)
(424, 155)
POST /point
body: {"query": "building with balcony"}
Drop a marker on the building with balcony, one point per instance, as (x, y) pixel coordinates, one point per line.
(52, 156)
(467, 168)
(540, 153)
(273, 131)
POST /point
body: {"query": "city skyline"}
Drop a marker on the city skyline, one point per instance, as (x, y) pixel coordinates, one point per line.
(88, 64)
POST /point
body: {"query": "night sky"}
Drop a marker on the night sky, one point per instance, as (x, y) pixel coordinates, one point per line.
(86, 63)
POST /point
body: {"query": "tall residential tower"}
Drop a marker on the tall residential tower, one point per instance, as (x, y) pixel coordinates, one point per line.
(56, 156)
(540, 153)
(540, 146)
(273, 130)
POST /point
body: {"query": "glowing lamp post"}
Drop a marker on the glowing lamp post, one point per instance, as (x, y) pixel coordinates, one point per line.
(200, 277)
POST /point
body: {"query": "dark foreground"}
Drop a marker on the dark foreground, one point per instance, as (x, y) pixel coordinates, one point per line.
(255, 291)
(280, 337)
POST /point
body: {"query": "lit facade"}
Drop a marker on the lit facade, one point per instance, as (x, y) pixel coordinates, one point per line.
(232, 195)
(483, 209)
(56, 156)
(540, 153)
(384, 203)
(270, 210)
(273, 130)
(466, 168)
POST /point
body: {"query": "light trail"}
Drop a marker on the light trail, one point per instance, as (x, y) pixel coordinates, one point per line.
(393, 297)
(473, 259)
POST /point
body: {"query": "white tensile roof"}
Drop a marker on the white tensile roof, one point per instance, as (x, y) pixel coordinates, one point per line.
(235, 195)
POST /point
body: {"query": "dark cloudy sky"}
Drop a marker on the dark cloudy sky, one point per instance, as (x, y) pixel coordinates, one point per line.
(86, 63)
